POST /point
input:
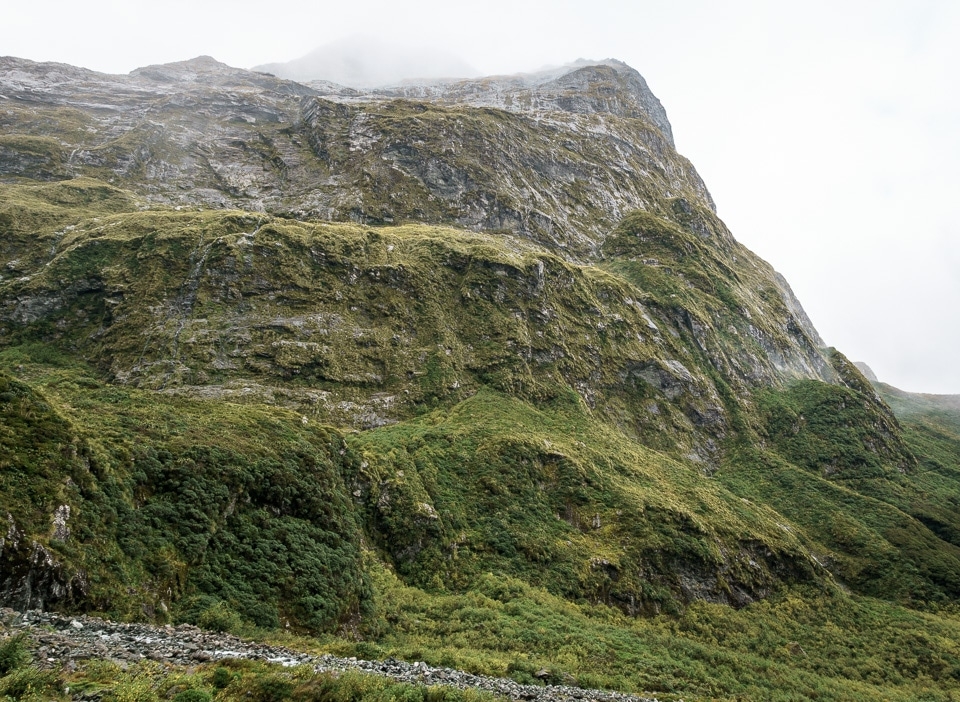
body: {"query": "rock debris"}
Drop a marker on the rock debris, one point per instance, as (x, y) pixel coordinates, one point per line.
(62, 640)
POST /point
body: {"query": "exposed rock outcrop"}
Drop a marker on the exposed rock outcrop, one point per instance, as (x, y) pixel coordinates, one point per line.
(31, 577)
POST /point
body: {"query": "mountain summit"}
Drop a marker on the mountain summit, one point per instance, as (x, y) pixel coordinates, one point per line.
(583, 87)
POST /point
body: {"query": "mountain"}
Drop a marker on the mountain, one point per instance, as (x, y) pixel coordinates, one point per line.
(449, 369)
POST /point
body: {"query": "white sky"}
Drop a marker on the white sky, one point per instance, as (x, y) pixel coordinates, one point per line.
(827, 132)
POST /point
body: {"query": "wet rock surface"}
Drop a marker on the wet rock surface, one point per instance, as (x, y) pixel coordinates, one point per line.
(60, 641)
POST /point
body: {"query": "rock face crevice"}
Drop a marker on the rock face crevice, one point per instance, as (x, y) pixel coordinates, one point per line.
(32, 577)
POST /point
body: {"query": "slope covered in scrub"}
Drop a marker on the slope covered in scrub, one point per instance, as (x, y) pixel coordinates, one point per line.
(469, 373)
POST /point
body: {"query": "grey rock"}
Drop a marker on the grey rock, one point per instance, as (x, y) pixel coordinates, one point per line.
(31, 576)
(102, 639)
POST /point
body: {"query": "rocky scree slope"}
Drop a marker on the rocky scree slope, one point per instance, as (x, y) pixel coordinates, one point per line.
(546, 355)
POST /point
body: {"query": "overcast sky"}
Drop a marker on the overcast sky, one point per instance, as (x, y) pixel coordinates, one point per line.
(827, 132)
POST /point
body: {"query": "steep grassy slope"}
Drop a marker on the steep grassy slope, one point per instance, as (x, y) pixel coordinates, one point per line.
(557, 422)
(142, 503)
(364, 325)
(495, 415)
(368, 327)
(554, 497)
(478, 517)
(932, 430)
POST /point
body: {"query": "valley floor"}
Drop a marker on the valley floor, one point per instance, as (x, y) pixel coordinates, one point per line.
(70, 643)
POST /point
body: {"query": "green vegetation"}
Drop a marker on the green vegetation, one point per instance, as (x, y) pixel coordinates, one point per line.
(462, 448)
(225, 682)
(842, 467)
(18, 679)
(181, 502)
(797, 645)
(13, 654)
(560, 500)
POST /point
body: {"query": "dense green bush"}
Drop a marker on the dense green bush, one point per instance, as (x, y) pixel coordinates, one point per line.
(193, 695)
(13, 653)
(241, 514)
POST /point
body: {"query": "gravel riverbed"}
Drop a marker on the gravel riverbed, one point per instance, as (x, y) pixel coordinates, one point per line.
(60, 641)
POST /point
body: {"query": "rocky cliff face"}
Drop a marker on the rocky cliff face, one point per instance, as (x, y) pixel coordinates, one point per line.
(31, 576)
(561, 158)
(360, 326)
(558, 158)
(559, 361)
(587, 88)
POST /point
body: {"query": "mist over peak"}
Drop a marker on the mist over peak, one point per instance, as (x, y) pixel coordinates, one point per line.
(365, 62)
